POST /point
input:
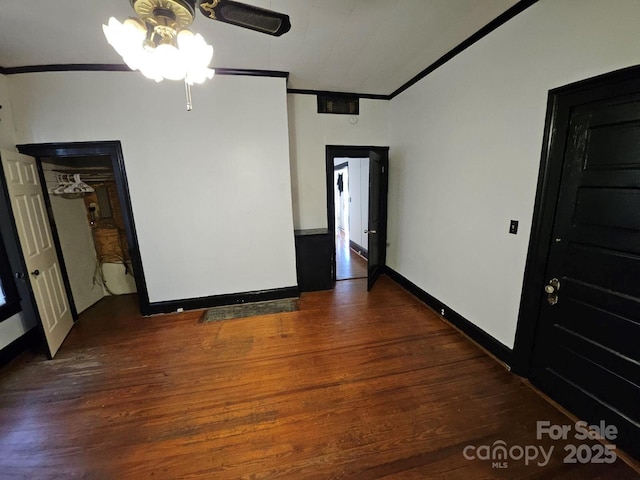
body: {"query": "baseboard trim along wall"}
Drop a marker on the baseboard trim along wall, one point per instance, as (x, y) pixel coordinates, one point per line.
(478, 335)
(357, 248)
(222, 300)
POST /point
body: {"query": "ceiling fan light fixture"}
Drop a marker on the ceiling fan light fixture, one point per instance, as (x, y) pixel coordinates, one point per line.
(159, 44)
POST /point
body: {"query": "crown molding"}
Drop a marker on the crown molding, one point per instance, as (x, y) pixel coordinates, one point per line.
(116, 67)
(518, 8)
(252, 73)
(372, 96)
(68, 67)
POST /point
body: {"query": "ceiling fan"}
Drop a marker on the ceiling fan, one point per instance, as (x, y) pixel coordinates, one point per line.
(159, 44)
(227, 11)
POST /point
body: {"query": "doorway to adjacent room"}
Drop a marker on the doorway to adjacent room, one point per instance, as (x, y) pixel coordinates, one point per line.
(357, 210)
(351, 204)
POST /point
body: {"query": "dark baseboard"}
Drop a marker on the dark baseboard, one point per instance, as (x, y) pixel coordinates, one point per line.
(363, 252)
(30, 340)
(478, 335)
(221, 300)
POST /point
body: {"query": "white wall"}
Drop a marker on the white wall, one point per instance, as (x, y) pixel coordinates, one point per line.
(465, 152)
(358, 199)
(77, 249)
(340, 199)
(310, 132)
(7, 130)
(77, 245)
(363, 202)
(355, 212)
(210, 189)
(16, 326)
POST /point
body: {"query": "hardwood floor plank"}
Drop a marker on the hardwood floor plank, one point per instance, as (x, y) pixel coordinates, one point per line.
(349, 265)
(353, 385)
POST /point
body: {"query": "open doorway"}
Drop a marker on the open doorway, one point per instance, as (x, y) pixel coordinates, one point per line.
(87, 216)
(103, 164)
(364, 227)
(351, 204)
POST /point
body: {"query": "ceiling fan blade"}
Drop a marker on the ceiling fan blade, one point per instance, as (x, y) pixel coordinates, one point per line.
(247, 16)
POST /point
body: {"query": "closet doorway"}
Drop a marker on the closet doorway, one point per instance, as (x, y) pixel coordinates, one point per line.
(89, 210)
(88, 218)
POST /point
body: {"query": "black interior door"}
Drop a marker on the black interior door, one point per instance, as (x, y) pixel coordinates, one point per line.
(377, 223)
(587, 346)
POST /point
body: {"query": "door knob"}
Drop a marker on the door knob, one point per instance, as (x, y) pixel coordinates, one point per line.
(553, 286)
(18, 275)
(551, 289)
(370, 231)
(35, 273)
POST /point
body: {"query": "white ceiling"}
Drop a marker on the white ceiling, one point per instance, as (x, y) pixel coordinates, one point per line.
(361, 46)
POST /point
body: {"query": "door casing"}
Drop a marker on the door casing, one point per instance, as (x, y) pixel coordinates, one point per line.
(556, 127)
(336, 151)
(112, 149)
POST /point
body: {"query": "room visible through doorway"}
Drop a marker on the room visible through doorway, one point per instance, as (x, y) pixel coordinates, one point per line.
(351, 201)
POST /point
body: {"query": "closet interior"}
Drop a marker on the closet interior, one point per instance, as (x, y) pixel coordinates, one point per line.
(88, 218)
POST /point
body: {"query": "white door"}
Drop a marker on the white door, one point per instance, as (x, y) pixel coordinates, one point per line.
(39, 252)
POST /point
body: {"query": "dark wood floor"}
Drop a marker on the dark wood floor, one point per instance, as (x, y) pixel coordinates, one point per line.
(349, 264)
(353, 385)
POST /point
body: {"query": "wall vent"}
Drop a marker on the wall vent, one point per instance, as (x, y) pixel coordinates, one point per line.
(339, 104)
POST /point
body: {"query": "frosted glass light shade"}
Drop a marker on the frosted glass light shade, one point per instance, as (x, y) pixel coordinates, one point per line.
(196, 55)
(188, 60)
(126, 38)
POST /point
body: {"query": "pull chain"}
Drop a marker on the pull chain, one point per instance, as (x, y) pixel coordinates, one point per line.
(187, 88)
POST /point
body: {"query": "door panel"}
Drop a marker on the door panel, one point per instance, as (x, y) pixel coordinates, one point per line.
(38, 248)
(377, 225)
(586, 353)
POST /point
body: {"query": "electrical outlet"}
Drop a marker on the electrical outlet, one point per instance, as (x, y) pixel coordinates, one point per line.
(513, 227)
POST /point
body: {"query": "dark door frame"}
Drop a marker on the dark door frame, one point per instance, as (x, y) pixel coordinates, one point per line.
(335, 151)
(560, 101)
(113, 149)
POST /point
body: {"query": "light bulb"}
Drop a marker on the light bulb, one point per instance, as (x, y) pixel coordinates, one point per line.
(169, 61)
(123, 36)
(149, 68)
(197, 56)
(127, 39)
(185, 39)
